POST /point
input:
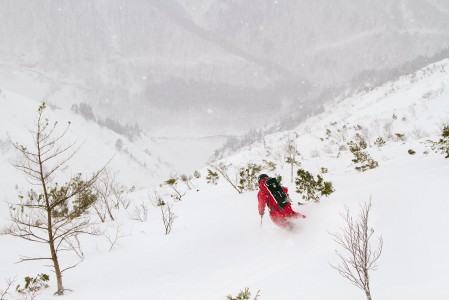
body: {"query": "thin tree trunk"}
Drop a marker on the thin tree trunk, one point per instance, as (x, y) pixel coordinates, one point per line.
(291, 176)
(51, 241)
(368, 294)
(58, 273)
(109, 211)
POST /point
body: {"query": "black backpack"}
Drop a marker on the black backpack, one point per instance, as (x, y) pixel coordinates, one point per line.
(277, 192)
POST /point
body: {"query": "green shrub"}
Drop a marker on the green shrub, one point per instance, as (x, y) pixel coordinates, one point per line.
(362, 159)
(248, 177)
(33, 286)
(442, 146)
(411, 152)
(380, 142)
(212, 177)
(269, 165)
(312, 189)
(243, 295)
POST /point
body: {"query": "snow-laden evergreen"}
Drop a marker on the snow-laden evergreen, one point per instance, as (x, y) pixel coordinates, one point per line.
(218, 245)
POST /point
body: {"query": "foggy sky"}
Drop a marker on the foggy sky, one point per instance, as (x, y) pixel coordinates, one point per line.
(218, 66)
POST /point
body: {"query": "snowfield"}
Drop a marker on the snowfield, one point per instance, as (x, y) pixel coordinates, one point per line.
(218, 245)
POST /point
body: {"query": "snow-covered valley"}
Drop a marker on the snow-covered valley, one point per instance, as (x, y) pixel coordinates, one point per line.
(218, 245)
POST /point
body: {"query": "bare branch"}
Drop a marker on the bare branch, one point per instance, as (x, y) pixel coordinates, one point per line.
(360, 257)
(9, 283)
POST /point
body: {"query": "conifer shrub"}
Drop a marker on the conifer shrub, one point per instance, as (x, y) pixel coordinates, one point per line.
(380, 142)
(362, 160)
(33, 286)
(248, 177)
(243, 295)
(196, 174)
(212, 177)
(442, 145)
(176, 192)
(312, 189)
(400, 137)
(411, 152)
(269, 165)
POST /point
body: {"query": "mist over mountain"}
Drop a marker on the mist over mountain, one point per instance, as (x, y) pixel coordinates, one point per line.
(209, 66)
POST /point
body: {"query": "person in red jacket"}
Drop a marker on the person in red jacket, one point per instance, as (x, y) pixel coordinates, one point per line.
(281, 216)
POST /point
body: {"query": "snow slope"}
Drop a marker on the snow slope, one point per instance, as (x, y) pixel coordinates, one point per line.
(97, 143)
(218, 245)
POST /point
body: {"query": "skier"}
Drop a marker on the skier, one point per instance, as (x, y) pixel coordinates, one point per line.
(276, 198)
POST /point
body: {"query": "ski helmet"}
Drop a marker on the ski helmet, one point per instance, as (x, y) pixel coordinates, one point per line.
(262, 176)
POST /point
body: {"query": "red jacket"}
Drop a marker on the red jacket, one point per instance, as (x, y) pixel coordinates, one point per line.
(279, 215)
(265, 198)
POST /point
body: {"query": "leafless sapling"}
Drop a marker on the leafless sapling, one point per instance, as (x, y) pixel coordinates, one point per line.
(5, 292)
(168, 216)
(176, 192)
(290, 153)
(358, 257)
(109, 193)
(139, 212)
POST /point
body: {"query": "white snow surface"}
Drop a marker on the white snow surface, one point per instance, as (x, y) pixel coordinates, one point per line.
(218, 245)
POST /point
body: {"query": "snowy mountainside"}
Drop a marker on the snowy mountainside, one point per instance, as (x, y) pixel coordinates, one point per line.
(97, 144)
(219, 244)
(407, 111)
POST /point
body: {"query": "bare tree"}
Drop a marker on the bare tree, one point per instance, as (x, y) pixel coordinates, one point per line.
(187, 180)
(109, 194)
(359, 257)
(290, 151)
(5, 292)
(178, 192)
(114, 235)
(139, 212)
(168, 216)
(53, 214)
